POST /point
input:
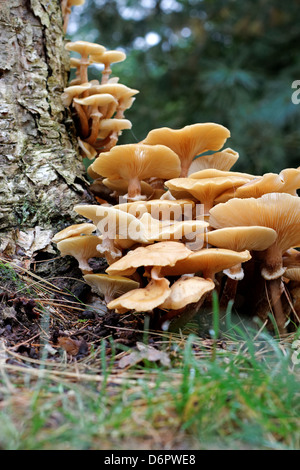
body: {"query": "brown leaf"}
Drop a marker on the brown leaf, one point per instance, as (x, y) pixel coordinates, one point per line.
(71, 346)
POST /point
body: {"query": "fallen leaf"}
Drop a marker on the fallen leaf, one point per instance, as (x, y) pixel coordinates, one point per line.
(144, 352)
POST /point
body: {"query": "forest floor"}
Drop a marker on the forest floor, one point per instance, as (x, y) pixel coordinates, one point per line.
(76, 376)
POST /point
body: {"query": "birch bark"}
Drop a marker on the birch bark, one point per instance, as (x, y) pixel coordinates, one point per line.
(41, 171)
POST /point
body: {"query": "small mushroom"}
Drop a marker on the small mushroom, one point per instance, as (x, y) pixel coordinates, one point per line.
(159, 254)
(251, 238)
(136, 162)
(82, 247)
(207, 261)
(110, 287)
(144, 299)
(107, 58)
(189, 141)
(74, 230)
(205, 190)
(110, 130)
(85, 49)
(223, 160)
(95, 102)
(73, 91)
(187, 290)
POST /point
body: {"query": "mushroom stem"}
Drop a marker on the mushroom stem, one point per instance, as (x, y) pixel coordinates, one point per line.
(83, 120)
(95, 128)
(185, 165)
(272, 264)
(134, 188)
(84, 63)
(275, 288)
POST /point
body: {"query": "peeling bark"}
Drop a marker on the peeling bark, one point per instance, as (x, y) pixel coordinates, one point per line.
(41, 171)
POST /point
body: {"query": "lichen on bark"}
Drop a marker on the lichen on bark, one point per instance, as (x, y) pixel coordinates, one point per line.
(41, 171)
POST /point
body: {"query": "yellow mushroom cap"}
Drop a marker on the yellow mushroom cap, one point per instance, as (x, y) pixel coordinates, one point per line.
(158, 254)
(118, 90)
(205, 190)
(112, 125)
(208, 261)
(108, 57)
(242, 238)
(72, 92)
(82, 247)
(113, 222)
(144, 161)
(161, 209)
(189, 141)
(287, 181)
(85, 48)
(223, 160)
(74, 230)
(100, 99)
(187, 290)
(110, 286)
(143, 299)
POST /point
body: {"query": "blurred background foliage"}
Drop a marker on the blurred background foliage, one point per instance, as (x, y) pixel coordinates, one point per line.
(223, 61)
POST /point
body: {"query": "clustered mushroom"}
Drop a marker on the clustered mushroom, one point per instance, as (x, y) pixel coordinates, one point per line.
(182, 223)
(209, 229)
(98, 106)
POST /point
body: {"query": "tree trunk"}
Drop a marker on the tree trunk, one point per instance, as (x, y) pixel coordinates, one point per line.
(41, 171)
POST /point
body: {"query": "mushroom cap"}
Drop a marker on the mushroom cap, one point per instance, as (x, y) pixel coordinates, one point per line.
(287, 181)
(85, 48)
(118, 90)
(223, 160)
(159, 254)
(214, 173)
(108, 57)
(73, 91)
(279, 211)
(212, 260)
(191, 140)
(143, 299)
(113, 222)
(112, 125)
(250, 238)
(100, 99)
(159, 231)
(74, 230)
(203, 189)
(82, 247)
(293, 274)
(187, 290)
(137, 160)
(103, 284)
(162, 209)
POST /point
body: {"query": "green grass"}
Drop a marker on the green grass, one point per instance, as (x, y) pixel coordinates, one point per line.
(239, 391)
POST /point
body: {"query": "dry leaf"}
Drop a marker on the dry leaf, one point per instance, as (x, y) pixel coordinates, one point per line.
(144, 352)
